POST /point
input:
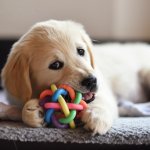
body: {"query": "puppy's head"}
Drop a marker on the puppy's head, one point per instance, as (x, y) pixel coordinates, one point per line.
(51, 52)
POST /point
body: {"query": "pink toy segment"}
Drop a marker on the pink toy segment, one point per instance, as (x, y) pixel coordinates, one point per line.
(57, 106)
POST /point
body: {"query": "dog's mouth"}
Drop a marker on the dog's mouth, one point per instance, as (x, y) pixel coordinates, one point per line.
(88, 97)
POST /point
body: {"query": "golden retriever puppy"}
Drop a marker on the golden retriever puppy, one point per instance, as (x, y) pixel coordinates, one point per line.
(62, 52)
(59, 52)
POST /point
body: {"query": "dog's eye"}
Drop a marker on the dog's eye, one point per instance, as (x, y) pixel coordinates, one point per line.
(56, 65)
(81, 51)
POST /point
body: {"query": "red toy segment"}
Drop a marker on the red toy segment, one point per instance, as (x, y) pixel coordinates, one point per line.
(45, 93)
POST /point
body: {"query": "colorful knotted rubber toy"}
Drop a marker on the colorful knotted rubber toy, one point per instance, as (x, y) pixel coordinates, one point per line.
(62, 106)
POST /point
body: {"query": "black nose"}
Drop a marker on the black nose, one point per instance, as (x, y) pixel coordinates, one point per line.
(90, 83)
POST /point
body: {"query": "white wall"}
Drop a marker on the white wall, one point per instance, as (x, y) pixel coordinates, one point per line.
(132, 19)
(103, 19)
(16, 16)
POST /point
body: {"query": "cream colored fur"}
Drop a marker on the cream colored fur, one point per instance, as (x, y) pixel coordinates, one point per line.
(26, 72)
(124, 66)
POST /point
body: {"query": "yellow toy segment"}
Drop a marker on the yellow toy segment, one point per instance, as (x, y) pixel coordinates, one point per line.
(63, 105)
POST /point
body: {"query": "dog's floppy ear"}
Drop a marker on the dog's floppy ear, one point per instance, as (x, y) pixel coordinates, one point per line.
(15, 75)
(88, 42)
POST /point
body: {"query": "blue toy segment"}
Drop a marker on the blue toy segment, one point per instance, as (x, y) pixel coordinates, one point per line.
(49, 112)
(57, 94)
(48, 115)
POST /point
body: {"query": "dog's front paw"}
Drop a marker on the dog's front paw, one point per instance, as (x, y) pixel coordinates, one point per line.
(33, 114)
(96, 119)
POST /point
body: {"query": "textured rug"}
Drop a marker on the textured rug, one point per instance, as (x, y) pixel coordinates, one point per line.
(124, 131)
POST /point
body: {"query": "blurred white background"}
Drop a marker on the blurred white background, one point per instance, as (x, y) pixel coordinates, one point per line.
(103, 19)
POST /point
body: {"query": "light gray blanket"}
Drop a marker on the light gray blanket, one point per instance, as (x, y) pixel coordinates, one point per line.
(124, 131)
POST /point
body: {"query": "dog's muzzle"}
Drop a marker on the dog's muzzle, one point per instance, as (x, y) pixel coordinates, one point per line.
(90, 83)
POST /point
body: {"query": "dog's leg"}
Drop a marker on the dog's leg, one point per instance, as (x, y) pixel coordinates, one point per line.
(101, 113)
(33, 114)
(10, 112)
(128, 108)
(144, 78)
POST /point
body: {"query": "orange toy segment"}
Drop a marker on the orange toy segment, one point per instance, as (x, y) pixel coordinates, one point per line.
(69, 89)
(84, 104)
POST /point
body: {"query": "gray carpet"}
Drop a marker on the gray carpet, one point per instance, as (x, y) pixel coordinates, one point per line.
(124, 131)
